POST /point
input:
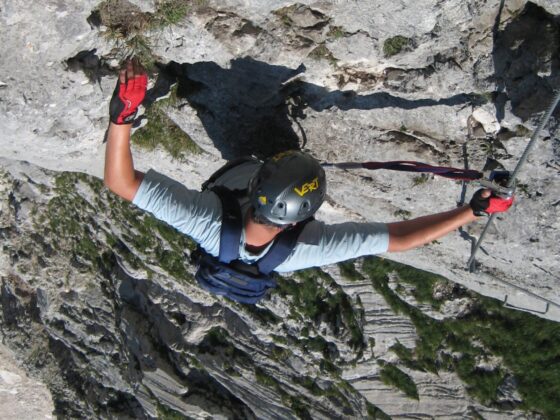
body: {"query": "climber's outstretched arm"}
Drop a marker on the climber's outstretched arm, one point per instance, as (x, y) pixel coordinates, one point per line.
(413, 233)
(120, 175)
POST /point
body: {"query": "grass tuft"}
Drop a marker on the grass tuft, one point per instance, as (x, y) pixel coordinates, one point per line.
(163, 132)
(336, 32)
(321, 52)
(395, 45)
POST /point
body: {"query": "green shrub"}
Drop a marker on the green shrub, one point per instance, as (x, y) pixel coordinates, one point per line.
(392, 375)
(395, 45)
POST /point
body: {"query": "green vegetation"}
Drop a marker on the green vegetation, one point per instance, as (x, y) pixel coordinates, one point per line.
(284, 12)
(69, 225)
(420, 179)
(264, 315)
(265, 379)
(332, 391)
(522, 131)
(407, 356)
(395, 45)
(321, 52)
(523, 189)
(297, 403)
(348, 271)
(162, 131)
(336, 393)
(170, 12)
(375, 413)
(122, 18)
(486, 97)
(317, 297)
(404, 214)
(125, 18)
(494, 148)
(127, 25)
(218, 342)
(280, 354)
(336, 32)
(140, 48)
(529, 346)
(166, 413)
(392, 375)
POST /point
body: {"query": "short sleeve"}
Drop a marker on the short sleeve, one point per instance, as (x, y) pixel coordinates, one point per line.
(196, 214)
(322, 244)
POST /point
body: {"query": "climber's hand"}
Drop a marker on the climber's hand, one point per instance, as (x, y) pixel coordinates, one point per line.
(129, 93)
(484, 202)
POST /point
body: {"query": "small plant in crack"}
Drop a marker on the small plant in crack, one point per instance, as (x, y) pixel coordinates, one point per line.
(420, 179)
(321, 52)
(404, 214)
(395, 45)
(336, 32)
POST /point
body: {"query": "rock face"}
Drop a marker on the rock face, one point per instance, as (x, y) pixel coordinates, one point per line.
(98, 300)
(21, 396)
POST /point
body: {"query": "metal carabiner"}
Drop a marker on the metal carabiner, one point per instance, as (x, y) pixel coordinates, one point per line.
(498, 183)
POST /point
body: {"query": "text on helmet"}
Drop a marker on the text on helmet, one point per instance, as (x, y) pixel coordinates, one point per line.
(307, 187)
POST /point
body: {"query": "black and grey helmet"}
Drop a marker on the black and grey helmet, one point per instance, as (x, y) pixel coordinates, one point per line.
(288, 188)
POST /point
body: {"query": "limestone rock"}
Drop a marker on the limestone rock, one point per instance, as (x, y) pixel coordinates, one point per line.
(449, 83)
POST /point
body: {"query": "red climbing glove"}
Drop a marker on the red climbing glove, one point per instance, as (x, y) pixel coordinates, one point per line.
(129, 93)
(484, 203)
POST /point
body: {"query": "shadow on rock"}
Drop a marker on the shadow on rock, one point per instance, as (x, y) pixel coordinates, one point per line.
(526, 58)
(244, 108)
(254, 107)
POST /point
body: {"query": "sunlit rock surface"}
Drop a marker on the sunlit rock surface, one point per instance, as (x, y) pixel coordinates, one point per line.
(98, 299)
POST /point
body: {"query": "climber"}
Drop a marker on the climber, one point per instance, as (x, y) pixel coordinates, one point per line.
(280, 197)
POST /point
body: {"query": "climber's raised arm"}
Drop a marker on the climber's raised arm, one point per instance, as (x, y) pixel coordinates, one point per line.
(120, 175)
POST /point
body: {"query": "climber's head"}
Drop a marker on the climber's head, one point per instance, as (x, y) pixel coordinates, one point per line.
(287, 189)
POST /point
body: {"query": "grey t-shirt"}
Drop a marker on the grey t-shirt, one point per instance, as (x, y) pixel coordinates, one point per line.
(199, 215)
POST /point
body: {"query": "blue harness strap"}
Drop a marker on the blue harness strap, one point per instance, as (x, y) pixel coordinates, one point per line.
(281, 248)
(230, 233)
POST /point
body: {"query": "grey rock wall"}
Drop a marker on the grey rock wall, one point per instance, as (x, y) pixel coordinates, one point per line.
(99, 303)
(448, 82)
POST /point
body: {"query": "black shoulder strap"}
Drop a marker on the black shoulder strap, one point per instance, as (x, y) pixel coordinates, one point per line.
(229, 165)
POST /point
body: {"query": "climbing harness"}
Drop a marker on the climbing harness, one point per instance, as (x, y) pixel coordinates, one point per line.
(226, 274)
